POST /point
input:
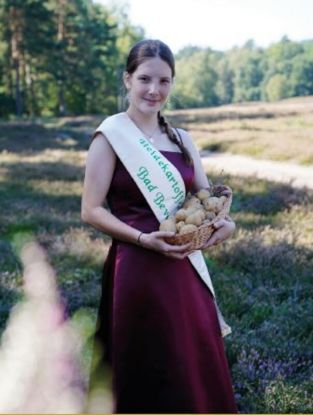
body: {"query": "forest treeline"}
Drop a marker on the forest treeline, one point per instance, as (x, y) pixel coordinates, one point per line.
(66, 57)
(248, 73)
(61, 57)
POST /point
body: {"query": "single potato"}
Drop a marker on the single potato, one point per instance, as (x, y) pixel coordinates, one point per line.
(195, 218)
(179, 225)
(168, 225)
(203, 194)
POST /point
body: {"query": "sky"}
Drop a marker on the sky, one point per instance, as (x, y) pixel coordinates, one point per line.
(220, 24)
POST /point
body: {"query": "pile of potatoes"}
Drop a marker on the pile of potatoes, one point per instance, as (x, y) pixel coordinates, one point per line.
(198, 209)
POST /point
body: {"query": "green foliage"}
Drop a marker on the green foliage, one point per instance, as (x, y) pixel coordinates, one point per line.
(277, 88)
(248, 77)
(302, 76)
(67, 57)
(225, 82)
(196, 80)
(286, 397)
(61, 57)
(71, 61)
(6, 105)
(242, 74)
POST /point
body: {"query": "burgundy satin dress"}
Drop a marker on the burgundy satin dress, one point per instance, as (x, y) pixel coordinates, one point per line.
(158, 322)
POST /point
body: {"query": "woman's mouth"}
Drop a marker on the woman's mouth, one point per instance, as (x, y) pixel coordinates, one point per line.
(151, 101)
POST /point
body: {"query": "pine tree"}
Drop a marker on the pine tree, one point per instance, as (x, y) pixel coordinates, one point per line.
(26, 30)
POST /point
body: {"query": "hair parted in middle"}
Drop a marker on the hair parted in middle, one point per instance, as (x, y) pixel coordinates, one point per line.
(139, 53)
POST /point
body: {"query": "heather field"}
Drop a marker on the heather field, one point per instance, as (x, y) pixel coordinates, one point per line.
(262, 275)
(281, 131)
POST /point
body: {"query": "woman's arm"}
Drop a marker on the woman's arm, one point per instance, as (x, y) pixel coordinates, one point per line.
(200, 180)
(100, 166)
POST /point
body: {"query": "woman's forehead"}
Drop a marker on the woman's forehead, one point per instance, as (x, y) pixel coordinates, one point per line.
(155, 66)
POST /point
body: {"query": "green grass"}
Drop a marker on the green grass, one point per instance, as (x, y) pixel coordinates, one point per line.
(262, 275)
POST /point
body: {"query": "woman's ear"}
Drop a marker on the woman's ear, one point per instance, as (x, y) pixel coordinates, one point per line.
(127, 80)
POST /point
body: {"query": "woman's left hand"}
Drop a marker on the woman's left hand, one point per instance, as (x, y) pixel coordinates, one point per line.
(224, 228)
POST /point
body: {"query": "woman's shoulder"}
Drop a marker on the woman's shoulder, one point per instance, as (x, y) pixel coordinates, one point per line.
(183, 133)
(106, 125)
(109, 122)
(185, 136)
(101, 145)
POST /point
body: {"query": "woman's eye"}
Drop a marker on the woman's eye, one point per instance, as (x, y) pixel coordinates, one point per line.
(143, 78)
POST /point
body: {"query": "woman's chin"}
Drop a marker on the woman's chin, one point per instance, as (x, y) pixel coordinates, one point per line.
(151, 109)
(148, 109)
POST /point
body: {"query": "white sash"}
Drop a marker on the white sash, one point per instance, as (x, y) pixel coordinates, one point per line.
(157, 178)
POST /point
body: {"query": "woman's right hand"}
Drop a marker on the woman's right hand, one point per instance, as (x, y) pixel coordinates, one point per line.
(155, 241)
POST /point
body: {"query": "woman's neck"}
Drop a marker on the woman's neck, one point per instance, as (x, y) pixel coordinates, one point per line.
(145, 121)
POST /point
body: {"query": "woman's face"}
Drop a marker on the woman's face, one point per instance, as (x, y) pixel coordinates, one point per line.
(149, 86)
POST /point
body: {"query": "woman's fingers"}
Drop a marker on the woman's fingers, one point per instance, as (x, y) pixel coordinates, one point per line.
(180, 248)
(223, 230)
(177, 255)
(222, 190)
(219, 224)
(177, 251)
(158, 242)
(163, 234)
(214, 240)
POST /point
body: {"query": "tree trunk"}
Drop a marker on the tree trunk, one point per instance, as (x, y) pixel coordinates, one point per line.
(32, 102)
(61, 100)
(16, 22)
(60, 39)
(18, 94)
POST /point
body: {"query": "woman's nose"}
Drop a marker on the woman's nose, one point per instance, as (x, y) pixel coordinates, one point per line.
(153, 89)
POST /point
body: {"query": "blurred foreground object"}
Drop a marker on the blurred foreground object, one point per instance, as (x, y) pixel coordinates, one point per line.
(39, 356)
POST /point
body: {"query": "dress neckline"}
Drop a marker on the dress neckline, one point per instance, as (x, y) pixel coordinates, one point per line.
(136, 126)
(169, 151)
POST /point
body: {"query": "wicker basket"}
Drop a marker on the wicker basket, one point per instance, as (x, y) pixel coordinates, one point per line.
(200, 237)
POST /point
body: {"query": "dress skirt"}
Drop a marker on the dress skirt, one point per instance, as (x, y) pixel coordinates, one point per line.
(157, 320)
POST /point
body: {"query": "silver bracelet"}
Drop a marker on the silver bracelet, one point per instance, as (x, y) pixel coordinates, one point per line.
(138, 239)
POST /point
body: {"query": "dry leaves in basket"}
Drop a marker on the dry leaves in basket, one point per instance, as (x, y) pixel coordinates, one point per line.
(194, 221)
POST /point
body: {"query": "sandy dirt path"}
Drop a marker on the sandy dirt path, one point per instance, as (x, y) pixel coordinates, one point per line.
(282, 172)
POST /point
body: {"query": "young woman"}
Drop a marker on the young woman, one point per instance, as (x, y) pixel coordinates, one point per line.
(159, 325)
